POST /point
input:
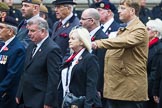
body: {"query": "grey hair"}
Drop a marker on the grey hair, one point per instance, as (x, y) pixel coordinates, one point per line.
(71, 6)
(42, 23)
(14, 28)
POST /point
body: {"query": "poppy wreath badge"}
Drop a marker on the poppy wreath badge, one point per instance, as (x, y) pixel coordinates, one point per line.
(5, 49)
(64, 35)
(93, 38)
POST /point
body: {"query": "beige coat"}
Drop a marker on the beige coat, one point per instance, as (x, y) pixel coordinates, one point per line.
(125, 76)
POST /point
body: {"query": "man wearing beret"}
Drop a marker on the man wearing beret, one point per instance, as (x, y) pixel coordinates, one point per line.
(30, 9)
(13, 12)
(67, 20)
(44, 14)
(3, 10)
(12, 55)
(108, 23)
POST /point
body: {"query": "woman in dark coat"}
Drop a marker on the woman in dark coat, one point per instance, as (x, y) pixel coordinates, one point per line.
(154, 31)
(80, 71)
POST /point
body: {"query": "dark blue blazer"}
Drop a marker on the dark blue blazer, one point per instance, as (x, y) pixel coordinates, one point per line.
(10, 71)
(61, 36)
(100, 53)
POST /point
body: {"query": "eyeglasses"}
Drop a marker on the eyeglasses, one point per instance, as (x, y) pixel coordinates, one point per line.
(77, 27)
(150, 29)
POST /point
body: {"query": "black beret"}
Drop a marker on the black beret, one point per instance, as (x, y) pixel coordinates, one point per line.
(105, 4)
(9, 20)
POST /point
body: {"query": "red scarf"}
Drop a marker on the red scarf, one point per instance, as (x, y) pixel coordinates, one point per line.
(72, 57)
(153, 41)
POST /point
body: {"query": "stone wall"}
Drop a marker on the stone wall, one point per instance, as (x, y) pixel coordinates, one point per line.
(84, 3)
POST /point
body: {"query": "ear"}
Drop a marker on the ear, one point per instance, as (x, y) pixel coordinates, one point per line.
(3, 15)
(36, 7)
(133, 10)
(81, 43)
(10, 32)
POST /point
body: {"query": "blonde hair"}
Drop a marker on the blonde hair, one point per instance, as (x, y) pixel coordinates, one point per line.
(84, 36)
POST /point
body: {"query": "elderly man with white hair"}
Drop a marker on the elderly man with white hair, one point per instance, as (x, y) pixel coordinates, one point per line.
(67, 20)
(154, 28)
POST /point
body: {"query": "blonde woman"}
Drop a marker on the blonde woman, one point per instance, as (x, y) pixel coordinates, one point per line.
(80, 70)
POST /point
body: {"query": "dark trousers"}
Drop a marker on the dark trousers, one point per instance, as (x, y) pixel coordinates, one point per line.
(150, 103)
(8, 102)
(104, 103)
(124, 104)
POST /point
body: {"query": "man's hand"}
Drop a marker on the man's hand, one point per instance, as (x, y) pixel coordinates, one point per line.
(94, 45)
(156, 99)
(17, 100)
(46, 106)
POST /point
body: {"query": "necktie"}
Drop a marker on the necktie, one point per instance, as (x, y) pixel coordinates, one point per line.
(102, 27)
(33, 51)
(59, 25)
(24, 24)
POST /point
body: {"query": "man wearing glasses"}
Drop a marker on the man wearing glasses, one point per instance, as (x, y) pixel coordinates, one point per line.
(90, 19)
(64, 13)
(125, 76)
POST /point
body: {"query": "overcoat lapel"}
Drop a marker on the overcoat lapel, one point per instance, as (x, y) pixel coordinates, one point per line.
(37, 54)
(63, 27)
(80, 62)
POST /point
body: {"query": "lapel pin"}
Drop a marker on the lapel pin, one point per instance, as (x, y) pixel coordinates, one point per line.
(80, 58)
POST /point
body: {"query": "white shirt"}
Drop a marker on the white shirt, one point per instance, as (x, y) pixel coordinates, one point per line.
(32, 18)
(107, 25)
(67, 18)
(39, 45)
(65, 70)
(93, 32)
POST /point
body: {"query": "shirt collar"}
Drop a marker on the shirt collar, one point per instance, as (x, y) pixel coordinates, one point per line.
(92, 33)
(131, 21)
(107, 24)
(7, 42)
(32, 18)
(67, 18)
(40, 43)
(79, 54)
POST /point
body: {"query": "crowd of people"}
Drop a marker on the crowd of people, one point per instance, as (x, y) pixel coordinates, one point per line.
(106, 58)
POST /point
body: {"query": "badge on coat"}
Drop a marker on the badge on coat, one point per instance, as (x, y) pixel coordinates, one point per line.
(3, 59)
